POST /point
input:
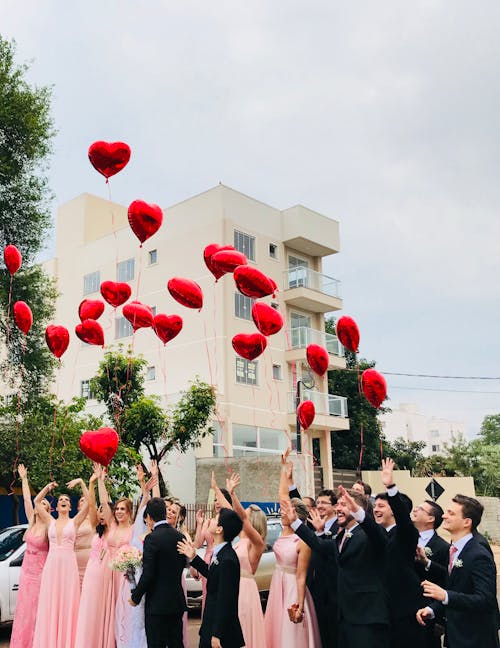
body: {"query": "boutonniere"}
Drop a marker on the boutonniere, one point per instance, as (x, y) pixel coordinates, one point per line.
(348, 535)
(458, 563)
(215, 561)
(328, 533)
(428, 551)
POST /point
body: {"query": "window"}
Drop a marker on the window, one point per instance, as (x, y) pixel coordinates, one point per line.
(151, 373)
(246, 371)
(297, 272)
(85, 390)
(245, 243)
(152, 257)
(249, 440)
(125, 270)
(218, 449)
(277, 372)
(91, 282)
(434, 433)
(123, 328)
(273, 250)
(436, 448)
(243, 306)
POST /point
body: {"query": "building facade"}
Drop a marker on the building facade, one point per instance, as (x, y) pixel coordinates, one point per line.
(255, 400)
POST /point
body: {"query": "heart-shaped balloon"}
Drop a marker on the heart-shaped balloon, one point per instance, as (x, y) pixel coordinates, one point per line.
(208, 253)
(12, 258)
(145, 219)
(249, 346)
(348, 333)
(167, 327)
(186, 292)
(91, 332)
(109, 157)
(100, 445)
(138, 314)
(267, 319)
(318, 359)
(23, 316)
(227, 260)
(374, 387)
(306, 413)
(115, 293)
(57, 338)
(90, 309)
(252, 282)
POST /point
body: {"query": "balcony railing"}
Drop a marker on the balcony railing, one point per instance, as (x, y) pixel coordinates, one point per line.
(328, 404)
(301, 277)
(303, 336)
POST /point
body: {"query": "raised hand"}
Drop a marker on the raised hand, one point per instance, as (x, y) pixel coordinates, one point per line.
(284, 456)
(213, 481)
(233, 482)
(316, 520)
(152, 481)
(387, 472)
(200, 517)
(74, 482)
(350, 501)
(289, 510)
(21, 469)
(141, 475)
(96, 472)
(153, 469)
(187, 548)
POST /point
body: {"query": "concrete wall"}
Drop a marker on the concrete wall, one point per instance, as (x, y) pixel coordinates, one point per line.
(491, 518)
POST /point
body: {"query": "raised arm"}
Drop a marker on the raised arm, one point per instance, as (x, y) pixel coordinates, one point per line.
(28, 506)
(219, 495)
(42, 513)
(406, 533)
(283, 492)
(257, 544)
(94, 521)
(104, 499)
(154, 474)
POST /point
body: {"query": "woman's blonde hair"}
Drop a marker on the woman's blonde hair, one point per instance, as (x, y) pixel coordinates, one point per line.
(128, 506)
(300, 509)
(258, 520)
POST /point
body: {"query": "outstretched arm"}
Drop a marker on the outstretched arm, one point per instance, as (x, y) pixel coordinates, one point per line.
(283, 492)
(43, 514)
(104, 499)
(28, 506)
(219, 495)
(257, 544)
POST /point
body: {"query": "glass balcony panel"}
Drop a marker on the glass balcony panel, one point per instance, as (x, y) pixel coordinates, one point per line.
(329, 404)
(302, 336)
(302, 277)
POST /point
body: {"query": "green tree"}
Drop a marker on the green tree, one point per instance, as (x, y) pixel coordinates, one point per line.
(406, 454)
(490, 430)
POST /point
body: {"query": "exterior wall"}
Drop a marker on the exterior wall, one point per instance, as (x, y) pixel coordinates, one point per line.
(490, 522)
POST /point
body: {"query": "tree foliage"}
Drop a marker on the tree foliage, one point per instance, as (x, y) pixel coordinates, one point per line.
(406, 454)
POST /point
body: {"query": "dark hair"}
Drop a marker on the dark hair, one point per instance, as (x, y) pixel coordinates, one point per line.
(312, 502)
(404, 498)
(100, 529)
(436, 512)
(366, 487)
(360, 500)
(471, 508)
(327, 492)
(231, 524)
(228, 497)
(156, 509)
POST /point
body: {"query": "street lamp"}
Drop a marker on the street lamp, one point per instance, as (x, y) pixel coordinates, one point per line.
(308, 381)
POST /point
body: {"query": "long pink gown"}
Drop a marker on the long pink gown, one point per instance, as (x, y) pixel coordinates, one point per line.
(249, 606)
(90, 627)
(111, 589)
(83, 547)
(280, 631)
(57, 612)
(34, 559)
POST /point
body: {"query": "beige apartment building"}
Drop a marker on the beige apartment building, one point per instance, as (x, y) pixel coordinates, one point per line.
(256, 400)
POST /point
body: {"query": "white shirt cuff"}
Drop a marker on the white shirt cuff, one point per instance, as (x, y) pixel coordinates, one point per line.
(445, 600)
(292, 487)
(428, 565)
(392, 491)
(295, 524)
(359, 515)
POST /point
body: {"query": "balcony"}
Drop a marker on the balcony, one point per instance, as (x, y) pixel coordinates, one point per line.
(331, 410)
(302, 336)
(311, 290)
(309, 232)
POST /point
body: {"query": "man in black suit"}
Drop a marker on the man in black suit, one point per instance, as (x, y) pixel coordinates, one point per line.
(161, 580)
(469, 601)
(220, 626)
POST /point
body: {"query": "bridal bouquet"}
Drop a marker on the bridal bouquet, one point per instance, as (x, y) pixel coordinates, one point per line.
(127, 558)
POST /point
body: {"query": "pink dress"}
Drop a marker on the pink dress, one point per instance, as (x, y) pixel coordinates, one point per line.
(57, 612)
(83, 547)
(89, 631)
(280, 631)
(29, 588)
(111, 589)
(249, 606)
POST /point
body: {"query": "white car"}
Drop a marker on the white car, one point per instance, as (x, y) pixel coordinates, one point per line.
(12, 548)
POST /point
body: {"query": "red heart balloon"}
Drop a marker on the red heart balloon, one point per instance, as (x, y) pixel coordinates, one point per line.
(267, 319)
(186, 292)
(318, 359)
(145, 219)
(374, 387)
(115, 293)
(249, 346)
(227, 260)
(306, 413)
(252, 282)
(100, 445)
(91, 332)
(109, 157)
(139, 315)
(208, 253)
(90, 309)
(23, 316)
(348, 333)
(12, 258)
(57, 338)
(167, 327)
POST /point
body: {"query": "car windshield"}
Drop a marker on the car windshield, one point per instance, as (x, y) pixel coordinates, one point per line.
(10, 540)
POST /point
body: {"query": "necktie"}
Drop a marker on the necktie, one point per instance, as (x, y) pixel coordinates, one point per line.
(453, 551)
(342, 540)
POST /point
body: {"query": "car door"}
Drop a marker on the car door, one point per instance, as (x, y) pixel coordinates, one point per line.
(14, 574)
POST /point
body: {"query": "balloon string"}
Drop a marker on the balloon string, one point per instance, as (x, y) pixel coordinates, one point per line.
(51, 453)
(7, 322)
(214, 319)
(18, 417)
(139, 275)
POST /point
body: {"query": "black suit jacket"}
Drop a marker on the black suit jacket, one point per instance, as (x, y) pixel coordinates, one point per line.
(162, 567)
(471, 613)
(220, 617)
(439, 558)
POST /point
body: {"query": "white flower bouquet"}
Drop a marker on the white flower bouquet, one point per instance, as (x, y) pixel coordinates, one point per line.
(127, 558)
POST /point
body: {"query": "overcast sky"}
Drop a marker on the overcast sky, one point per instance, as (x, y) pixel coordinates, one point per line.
(384, 116)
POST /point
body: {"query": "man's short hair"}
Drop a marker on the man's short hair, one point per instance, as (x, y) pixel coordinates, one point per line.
(360, 499)
(231, 524)
(404, 498)
(436, 512)
(471, 508)
(327, 492)
(156, 509)
(366, 487)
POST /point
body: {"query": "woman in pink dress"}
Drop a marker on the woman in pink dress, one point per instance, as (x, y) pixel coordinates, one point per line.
(57, 612)
(34, 559)
(288, 585)
(85, 534)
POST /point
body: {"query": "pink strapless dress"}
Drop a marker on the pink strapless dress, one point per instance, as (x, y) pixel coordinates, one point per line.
(90, 628)
(280, 631)
(57, 612)
(30, 578)
(249, 606)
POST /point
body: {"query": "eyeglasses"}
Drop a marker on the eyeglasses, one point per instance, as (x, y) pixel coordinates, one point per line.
(421, 508)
